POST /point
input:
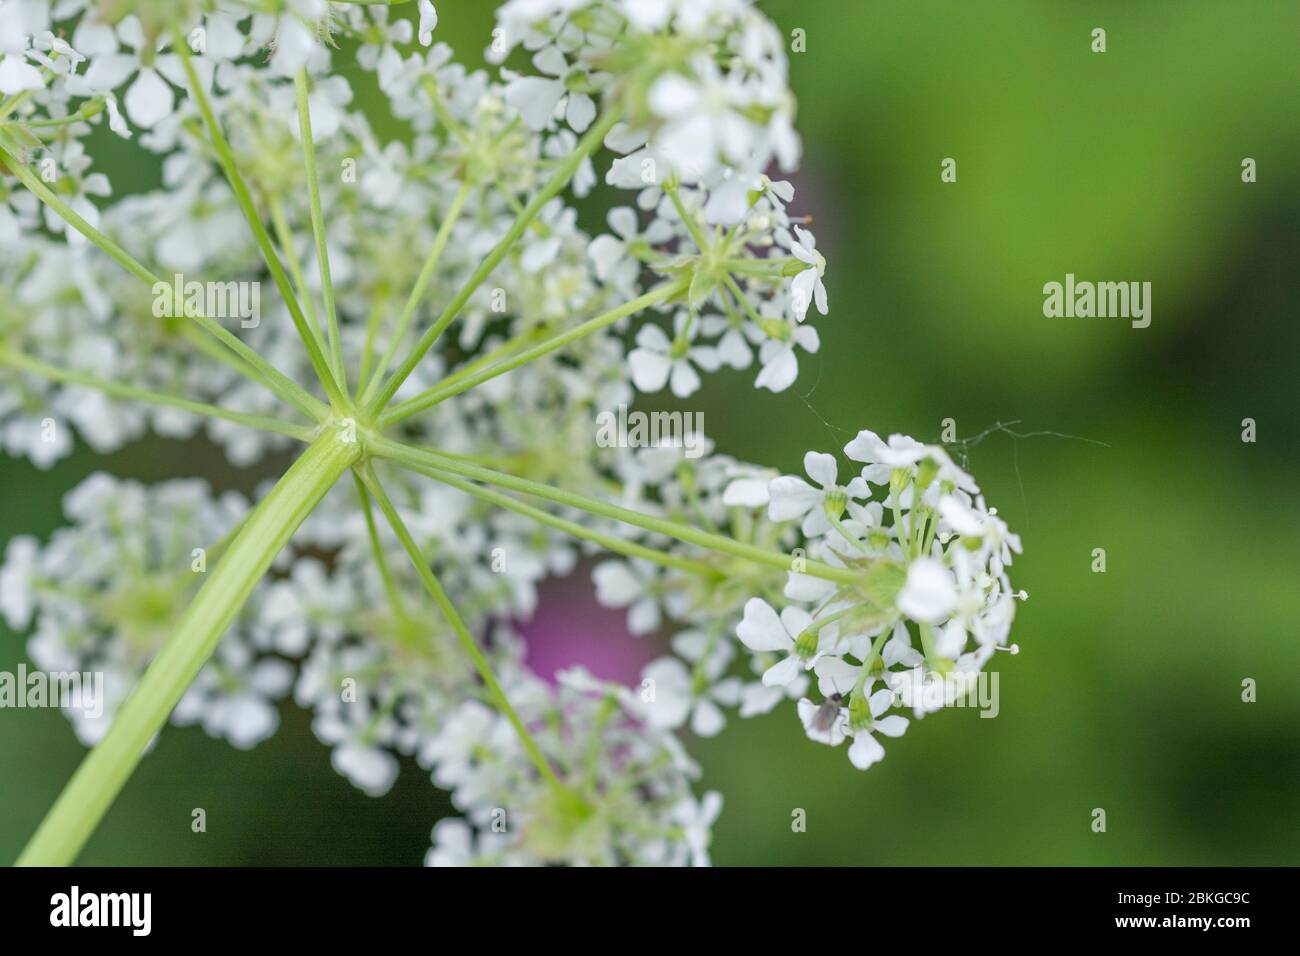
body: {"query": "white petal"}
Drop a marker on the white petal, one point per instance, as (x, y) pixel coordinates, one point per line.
(535, 98)
(369, 768)
(580, 111)
(673, 95)
(428, 20)
(801, 292)
(865, 750)
(821, 468)
(685, 380)
(649, 369)
(866, 447)
(880, 701)
(782, 672)
(779, 373)
(616, 585)
(791, 497)
(708, 719)
(17, 75)
(746, 493)
(623, 221)
(892, 726)
(930, 593)
(149, 99)
(760, 629)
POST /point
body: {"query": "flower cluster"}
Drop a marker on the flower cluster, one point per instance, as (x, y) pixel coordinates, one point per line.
(270, 298)
(106, 592)
(631, 782)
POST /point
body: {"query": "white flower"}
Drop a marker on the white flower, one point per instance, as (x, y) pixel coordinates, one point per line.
(696, 819)
(865, 749)
(629, 584)
(17, 581)
(537, 98)
(777, 355)
(149, 99)
(792, 497)
(658, 360)
(930, 592)
(764, 631)
(370, 769)
(680, 693)
(806, 287)
(826, 722)
(704, 122)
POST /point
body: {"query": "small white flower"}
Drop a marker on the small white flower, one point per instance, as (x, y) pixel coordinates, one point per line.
(697, 819)
(629, 584)
(930, 592)
(792, 497)
(865, 749)
(537, 97)
(778, 358)
(764, 631)
(17, 582)
(658, 360)
(806, 288)
(370, 769)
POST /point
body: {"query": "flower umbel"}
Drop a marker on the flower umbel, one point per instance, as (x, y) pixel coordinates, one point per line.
(361, 251)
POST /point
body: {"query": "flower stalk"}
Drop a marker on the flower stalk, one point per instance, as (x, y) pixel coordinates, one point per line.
(107, 767)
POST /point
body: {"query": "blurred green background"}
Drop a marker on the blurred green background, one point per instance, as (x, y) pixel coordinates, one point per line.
(1127, 693)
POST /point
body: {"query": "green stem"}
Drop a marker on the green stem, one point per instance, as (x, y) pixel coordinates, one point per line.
(377, 547)
(279, 383)
(607, 541)
(377, 306)
(589, 143)
(284, 236)
(421, 285)
(318, 228)
(688, 220)
(409, 455)
(445, 390)
(475, 653)
(54, 373)
(13, 102)
(226, 159)
(106, 768)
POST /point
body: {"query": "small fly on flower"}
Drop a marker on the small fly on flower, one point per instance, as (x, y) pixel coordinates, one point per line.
(828, 712)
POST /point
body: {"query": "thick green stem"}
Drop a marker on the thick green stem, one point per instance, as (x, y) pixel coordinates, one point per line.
(421, 457)
(105, 769)
(589, 143)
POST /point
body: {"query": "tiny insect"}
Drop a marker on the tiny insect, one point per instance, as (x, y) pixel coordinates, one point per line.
(828, 712)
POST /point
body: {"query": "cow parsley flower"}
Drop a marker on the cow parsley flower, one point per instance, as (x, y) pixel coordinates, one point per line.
(405, 314)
